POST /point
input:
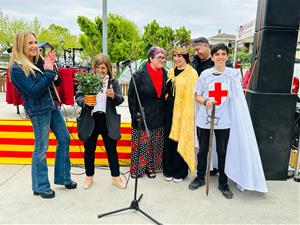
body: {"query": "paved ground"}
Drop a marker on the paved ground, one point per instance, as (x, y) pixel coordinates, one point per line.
(169, 203)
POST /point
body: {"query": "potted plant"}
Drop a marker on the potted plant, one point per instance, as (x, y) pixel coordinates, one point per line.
(90, 84)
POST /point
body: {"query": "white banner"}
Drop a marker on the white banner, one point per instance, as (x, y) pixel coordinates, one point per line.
(245, 30)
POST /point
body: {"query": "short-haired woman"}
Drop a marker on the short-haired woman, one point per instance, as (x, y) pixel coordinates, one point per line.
(150, 81)
(106, 120)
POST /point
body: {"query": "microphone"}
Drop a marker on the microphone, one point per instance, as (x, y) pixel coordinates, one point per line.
(126, 62)
(78, 49)
(67, 50)
(9, 50)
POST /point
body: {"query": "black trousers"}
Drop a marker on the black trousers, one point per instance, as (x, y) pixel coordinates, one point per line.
(222, 137)
(110, 147)
(173, 164)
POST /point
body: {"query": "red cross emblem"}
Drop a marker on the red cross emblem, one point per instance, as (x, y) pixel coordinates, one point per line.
(217, 93)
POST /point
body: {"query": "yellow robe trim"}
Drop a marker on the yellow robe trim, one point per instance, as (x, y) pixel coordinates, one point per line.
(182, 130)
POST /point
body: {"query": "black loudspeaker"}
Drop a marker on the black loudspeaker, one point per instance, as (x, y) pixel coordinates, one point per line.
(273, 121)
(278, 14)
(273, 60)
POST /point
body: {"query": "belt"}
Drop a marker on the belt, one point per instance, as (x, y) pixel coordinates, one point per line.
(98, 113)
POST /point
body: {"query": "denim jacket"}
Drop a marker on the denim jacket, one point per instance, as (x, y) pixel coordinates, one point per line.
(34, 89)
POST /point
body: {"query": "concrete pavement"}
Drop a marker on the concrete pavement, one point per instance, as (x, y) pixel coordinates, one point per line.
(168, 202)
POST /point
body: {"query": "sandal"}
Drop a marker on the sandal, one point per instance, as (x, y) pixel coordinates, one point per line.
(151, 174)
(133, 176)
(118, 182)
(88, 182)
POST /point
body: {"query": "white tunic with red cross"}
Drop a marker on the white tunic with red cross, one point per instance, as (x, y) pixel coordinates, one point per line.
(214, 87)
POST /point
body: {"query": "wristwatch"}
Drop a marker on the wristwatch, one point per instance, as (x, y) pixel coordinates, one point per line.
(204, 102)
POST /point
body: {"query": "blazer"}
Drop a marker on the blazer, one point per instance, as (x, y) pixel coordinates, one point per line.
(154, 107)
(113, 119)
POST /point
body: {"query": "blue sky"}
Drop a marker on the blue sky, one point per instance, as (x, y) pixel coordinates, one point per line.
(202, 17)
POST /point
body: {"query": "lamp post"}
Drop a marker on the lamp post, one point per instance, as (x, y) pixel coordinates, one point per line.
(104, 26)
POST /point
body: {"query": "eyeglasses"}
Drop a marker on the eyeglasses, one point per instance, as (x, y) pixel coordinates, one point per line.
(161, 58)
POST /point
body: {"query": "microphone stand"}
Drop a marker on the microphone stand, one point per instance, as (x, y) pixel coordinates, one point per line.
(141, 119)
(73, 55)
(65, 56)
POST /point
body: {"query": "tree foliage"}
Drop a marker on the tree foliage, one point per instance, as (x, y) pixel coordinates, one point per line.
(245, 58)
(53, 34)
(165, 37)
(8, 28)
(124, 40)
(182, 34)
(123, 37)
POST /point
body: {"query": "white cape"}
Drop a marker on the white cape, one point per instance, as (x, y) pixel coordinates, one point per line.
(243, 163)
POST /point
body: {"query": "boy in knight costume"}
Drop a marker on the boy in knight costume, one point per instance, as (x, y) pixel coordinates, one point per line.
(237, 150)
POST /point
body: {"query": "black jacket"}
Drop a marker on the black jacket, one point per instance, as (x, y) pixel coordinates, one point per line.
(112, 118)
(201, 66)
(154, 107)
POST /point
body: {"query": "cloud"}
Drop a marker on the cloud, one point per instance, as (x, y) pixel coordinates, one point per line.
(202, 17)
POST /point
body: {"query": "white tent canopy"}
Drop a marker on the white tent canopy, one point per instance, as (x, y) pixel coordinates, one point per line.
(125, 75)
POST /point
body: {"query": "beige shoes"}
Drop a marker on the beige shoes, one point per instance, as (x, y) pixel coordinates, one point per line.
(118, 182)
(88, 182)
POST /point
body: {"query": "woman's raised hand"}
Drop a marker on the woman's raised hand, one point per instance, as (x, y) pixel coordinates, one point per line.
(110, 92)
(49, 60)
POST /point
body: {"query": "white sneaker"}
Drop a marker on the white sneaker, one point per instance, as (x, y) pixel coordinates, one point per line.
(168, 179)
(177, 180)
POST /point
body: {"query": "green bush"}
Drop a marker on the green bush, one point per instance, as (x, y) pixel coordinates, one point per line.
(4, 58)
(244, 57)
(89, 83)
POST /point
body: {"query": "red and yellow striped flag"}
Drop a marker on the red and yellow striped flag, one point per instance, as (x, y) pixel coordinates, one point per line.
(17, 144)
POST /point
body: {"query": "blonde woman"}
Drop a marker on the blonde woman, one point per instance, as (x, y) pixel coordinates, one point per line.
(33, 84)
(106, 120)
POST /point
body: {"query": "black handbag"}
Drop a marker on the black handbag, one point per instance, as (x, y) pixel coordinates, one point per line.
(85, 124)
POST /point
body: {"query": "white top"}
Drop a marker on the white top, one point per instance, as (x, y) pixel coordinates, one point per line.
(101, 97)
(243, 163)
(215, 87)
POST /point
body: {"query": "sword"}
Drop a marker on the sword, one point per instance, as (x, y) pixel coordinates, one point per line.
(212, 123)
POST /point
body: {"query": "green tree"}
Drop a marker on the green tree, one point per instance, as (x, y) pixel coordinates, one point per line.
(150, 37)
(123, 37)
(36, 27)
(182, 34)
(163, 36)
(4, 28)
(90, 39)
(9, 27)
(55, 34)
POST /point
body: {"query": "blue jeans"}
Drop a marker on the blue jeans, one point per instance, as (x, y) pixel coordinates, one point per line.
(42, 123)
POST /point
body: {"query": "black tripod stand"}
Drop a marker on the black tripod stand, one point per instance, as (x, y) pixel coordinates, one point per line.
(135, 202)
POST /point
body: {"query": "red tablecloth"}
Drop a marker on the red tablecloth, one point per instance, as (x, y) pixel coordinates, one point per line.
(12, 94)
(65, 89)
